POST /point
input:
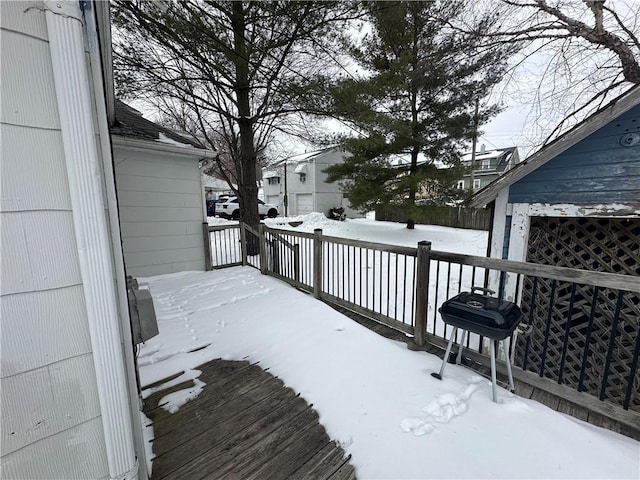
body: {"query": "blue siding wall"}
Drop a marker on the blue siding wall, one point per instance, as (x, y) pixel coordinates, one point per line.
(596, 170)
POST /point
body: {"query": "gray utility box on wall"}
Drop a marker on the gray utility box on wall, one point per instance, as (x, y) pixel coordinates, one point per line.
(144, 324)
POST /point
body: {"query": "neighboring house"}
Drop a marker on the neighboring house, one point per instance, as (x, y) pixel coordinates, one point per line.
(489, 165)
(302, 181)
(213, 187)
(160, 195)
(576, 203)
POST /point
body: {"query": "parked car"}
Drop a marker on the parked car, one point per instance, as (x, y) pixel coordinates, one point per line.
(231, 209)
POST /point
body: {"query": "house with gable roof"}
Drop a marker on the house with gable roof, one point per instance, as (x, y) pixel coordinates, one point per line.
(297, 185)
(488, 165)
(160, 195)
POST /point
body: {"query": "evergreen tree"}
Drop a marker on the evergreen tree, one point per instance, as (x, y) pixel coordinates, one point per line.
(414, 101)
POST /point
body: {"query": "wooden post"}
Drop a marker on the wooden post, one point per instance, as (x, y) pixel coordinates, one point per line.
(263, 250)
(317, 263)
(243, 243)
(422, 292)
(208, 264)
(275, 256)
(296, 262)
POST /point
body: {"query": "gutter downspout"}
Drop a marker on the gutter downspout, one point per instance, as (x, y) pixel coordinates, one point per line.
(66, 42)
(102, 105)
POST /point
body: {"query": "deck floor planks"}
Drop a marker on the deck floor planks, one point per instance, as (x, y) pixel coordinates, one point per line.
(213, 397)
(323, 464)
(244, 424)
(195, 420)
(217, 458)
(299, 450)
(266, 448)
(228, 419)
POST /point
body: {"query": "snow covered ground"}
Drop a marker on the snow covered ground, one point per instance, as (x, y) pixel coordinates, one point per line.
(372, 394)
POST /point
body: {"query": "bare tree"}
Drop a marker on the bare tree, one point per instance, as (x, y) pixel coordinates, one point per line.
(591, 50)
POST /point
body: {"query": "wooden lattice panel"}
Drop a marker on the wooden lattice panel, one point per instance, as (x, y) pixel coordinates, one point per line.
(601, 244)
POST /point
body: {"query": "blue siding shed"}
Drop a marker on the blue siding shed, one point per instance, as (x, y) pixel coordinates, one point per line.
(598, 169)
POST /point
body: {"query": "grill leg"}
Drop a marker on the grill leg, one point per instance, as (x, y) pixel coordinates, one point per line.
(494, 390)
(459, 357)
(507, 345)
(446, 354)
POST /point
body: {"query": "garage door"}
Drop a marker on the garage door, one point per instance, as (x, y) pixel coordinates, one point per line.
(304, 202)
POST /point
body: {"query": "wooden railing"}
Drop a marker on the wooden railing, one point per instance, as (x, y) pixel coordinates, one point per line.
(584, 326)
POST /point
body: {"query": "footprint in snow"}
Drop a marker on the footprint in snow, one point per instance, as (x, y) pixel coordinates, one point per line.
(442, 410)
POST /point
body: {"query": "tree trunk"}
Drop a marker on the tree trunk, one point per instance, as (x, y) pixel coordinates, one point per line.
(247, 182)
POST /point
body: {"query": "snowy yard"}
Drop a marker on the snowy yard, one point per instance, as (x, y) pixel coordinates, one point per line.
(372, 394)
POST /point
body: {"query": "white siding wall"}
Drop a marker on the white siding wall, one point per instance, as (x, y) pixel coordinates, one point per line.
(329, 195)
(161, 212)
(50, 417)
(324, 195)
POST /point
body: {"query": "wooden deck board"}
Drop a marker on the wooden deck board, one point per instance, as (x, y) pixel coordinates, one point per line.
(245, 424)
(345, 472)
(323, 464)
(269, 445)
(198, 437)
(213, 397)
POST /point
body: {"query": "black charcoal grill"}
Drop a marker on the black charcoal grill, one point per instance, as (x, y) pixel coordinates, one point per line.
(485, 315)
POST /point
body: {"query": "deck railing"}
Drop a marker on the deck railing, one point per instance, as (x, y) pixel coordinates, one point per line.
(584, 326)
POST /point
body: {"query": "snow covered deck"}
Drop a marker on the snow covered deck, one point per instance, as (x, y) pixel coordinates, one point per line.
(245, 424)
(375, 397)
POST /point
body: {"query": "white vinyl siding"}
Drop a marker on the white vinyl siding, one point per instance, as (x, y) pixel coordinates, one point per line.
(50, 417)
(37, 332)
(73, 453)
(161, 212)
(50, 399)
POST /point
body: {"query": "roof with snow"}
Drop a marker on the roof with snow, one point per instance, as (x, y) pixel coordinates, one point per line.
(130, 123)
(504, 158)
(301, 157)
(402, 159)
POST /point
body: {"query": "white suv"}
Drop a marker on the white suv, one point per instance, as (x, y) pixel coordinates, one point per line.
(231, 209)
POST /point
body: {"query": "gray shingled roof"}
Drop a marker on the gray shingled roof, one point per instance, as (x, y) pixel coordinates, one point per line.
(130, 123)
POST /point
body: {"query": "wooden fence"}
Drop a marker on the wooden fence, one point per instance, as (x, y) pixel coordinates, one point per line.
(403, 287)
(457, 217)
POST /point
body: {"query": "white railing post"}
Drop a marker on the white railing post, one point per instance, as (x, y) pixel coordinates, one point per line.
(317, 263)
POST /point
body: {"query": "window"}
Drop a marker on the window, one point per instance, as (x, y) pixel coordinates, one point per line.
(486, 164)
(460, 185)
(273, 180)
(303, 177)
(476, 183)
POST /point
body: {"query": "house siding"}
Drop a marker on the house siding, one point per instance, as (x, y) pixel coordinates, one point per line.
(324, 195)
(161, 212)
(596, 170)
(50, 419)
